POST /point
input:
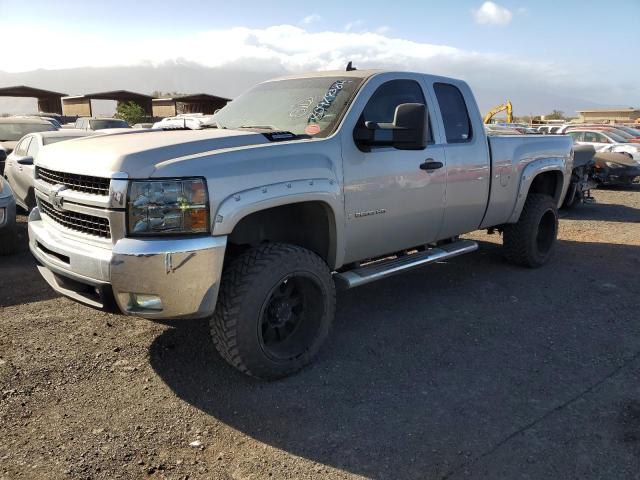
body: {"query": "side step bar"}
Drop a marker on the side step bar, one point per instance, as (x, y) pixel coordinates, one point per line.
(385, 268)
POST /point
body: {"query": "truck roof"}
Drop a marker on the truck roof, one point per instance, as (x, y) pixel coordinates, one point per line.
(361, 74)
(330, 73)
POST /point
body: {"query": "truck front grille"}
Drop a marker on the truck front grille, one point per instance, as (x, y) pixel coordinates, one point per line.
(80, 183)
(80, 222)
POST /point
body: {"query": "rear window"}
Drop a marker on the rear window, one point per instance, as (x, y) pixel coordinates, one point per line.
(49, 141)
(15, 131)
(457, 124)
(102, 124)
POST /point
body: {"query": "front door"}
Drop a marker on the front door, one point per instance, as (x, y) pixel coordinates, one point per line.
(390, 202)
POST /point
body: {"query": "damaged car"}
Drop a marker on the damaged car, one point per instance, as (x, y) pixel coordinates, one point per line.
(8, 233)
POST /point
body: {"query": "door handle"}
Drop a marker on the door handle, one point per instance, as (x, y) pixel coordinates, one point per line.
(430, 164)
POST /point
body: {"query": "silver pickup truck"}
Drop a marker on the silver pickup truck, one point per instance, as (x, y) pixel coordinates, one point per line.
(300, 185)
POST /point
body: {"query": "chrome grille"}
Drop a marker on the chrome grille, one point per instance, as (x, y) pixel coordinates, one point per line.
(80, 222)
(80, 183)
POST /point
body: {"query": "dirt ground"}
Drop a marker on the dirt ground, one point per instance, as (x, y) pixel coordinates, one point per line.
(471, 368)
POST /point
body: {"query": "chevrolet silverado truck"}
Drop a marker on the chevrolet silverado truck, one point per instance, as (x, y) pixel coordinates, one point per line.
(301, 185)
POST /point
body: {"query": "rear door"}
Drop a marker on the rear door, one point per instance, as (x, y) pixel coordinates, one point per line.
(391, 203)
(467, 158)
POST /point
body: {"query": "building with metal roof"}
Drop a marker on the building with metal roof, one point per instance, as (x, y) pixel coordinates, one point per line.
(184, 104)
(48, 101)
(80, 105)
(621, 115)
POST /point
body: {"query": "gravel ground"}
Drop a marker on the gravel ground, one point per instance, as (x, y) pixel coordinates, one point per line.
(471, 368)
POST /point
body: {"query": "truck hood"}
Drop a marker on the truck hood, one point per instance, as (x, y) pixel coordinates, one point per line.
(138, 153)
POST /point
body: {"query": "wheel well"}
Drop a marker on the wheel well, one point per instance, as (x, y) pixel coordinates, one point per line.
(548, 183)
(310, 225)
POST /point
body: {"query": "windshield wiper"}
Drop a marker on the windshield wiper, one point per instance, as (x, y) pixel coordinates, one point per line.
(259, 127)
(211, 125)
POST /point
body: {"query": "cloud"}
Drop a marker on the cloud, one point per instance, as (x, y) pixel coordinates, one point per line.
(353, 25)
(383, 29)
(491, 13)
(287, 48)
(309, 19)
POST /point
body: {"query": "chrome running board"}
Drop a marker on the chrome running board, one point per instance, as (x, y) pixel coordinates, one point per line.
(384, 268)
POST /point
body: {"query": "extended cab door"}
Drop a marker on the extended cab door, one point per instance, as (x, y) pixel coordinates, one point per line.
(467, 157)
(390, 202)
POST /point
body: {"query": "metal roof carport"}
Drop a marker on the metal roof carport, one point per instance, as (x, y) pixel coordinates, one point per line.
(48, 101)
(80, 105)
(195, 103)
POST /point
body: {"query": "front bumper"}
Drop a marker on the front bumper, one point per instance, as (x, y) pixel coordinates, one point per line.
(182, 273)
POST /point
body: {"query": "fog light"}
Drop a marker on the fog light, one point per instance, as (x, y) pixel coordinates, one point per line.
(145, 301)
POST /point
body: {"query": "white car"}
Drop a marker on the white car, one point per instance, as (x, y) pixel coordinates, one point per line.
(605, 141)
(19, 169)
(181, 122)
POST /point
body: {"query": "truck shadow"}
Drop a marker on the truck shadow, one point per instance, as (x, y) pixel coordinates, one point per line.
(605, 212)
(426, 371)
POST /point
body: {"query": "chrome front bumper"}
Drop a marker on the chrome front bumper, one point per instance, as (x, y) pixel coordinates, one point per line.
(182, 273)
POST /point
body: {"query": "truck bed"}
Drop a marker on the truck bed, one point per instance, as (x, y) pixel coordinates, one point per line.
(510, 154)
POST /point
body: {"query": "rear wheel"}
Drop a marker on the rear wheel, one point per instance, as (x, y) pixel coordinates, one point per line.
(530, 242)
(275, 308)
(572, 197)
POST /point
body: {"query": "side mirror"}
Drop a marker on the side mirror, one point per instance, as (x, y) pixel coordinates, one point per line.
(26, 161)
(409, 130)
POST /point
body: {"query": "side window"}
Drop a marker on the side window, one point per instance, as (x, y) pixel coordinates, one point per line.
(601, 138)
(381, 107)
(21, 149)
(457, 124)
(590, 137)
(577, 136)
(34, 146)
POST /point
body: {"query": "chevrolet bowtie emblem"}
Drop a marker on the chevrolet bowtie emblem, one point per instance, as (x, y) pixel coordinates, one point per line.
(54, 197)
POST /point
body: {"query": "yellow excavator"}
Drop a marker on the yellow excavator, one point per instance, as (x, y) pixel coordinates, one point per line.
(500, 108)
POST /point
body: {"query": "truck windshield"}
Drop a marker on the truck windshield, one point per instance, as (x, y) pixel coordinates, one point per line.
(303, 106)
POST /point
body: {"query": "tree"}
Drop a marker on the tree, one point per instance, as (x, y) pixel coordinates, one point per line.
(131, 112)
(555, 115)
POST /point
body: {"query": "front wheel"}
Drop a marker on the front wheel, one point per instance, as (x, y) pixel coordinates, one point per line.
(275, 307)
(530, 242)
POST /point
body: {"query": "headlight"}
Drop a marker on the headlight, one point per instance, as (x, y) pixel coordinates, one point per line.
(159, 207)
(613, 165)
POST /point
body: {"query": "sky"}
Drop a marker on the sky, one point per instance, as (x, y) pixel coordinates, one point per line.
(581, 49)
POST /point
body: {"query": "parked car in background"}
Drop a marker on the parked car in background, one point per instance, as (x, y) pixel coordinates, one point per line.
(181, 122)
(601, 127)
(634, 132)
(549, 129)
(3, 158)
(86, 123)
(19, 169)
(605, 141)
(8, 234)
(12, 129)
(615, 169)
(493, 129)
(142, 125)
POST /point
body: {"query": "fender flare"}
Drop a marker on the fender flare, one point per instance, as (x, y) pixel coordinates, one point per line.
(239, 205)
(531, 171)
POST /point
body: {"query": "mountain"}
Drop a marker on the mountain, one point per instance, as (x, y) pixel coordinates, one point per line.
(229, 82)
